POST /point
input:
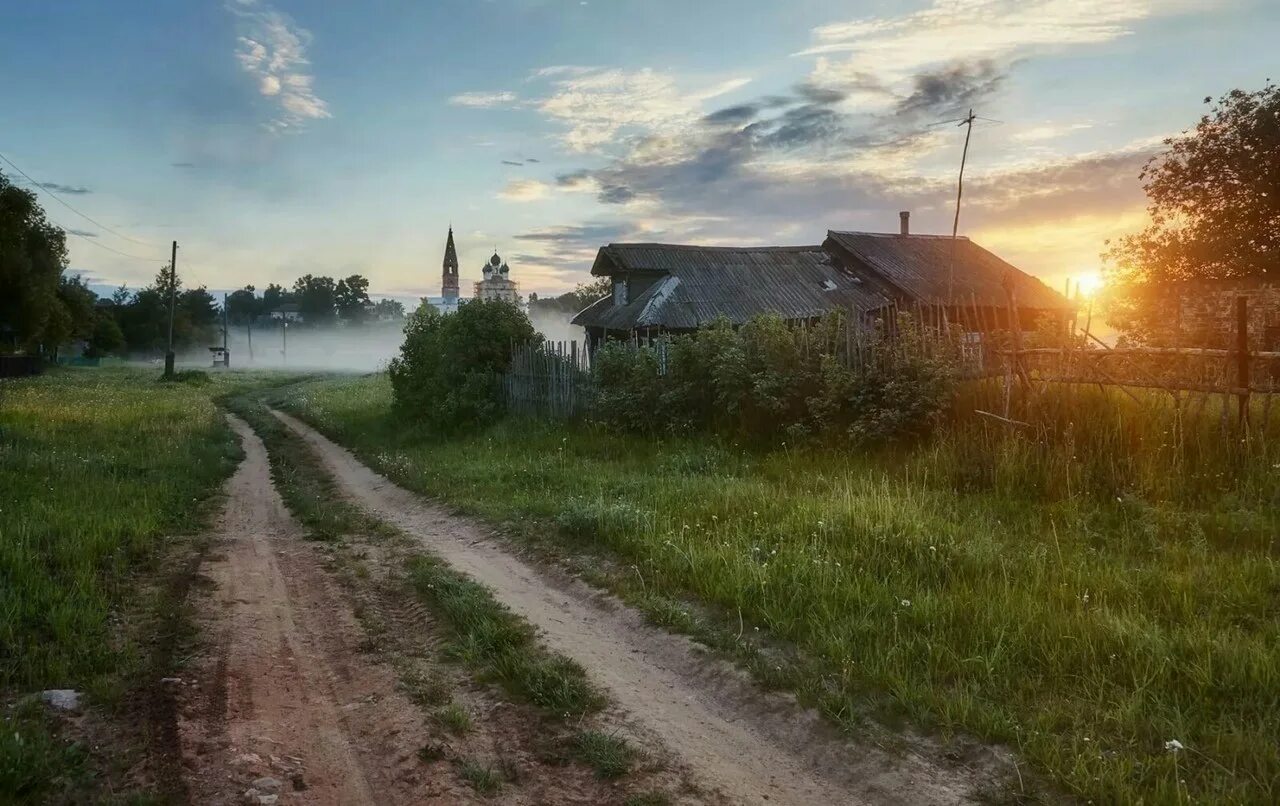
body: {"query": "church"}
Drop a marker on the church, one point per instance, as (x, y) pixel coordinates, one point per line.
(496, 285)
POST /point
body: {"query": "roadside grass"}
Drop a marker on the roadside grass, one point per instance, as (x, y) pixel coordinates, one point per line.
(1099, 592)
(104, 475)
(483, 778)
(455, 719)
(610, 756)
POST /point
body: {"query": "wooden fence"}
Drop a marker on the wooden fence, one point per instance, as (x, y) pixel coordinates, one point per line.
(550, 379)
(553, 379)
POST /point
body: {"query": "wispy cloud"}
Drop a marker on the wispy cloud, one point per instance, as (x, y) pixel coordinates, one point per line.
(484, 100)
(83, 233)
(968, 30)
(596, 105)
(74, 190)
(525, 190)
(272, 49)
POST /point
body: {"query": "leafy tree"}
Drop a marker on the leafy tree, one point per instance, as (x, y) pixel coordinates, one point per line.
(106, 338)
(573, 301)
(448, 370)
(274, 296)
(81, 304)
(33, 255)
(351, 296)
(388, 309)
(242, 306)
(1214, 201)
(316, 298)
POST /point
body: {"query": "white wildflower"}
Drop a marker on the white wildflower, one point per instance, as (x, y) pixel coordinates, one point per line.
(1173, 745)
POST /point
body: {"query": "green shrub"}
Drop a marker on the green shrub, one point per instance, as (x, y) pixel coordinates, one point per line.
(448, 373)
(771, 381)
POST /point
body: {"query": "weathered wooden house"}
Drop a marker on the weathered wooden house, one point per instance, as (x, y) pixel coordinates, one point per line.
(664, 288)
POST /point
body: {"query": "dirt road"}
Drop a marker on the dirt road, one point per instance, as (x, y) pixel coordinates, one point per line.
(282, 706)
(753, 747)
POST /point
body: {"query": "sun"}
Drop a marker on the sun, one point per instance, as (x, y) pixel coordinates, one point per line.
(1090, 283)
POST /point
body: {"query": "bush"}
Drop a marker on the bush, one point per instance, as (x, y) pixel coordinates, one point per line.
(448, 373)
(771, 381)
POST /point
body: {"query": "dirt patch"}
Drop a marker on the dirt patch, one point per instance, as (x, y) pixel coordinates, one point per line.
(752, 746)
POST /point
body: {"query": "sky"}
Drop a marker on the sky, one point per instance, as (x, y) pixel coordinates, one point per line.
(275, 138)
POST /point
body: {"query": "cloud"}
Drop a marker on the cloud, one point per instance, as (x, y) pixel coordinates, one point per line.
(82, 233)
(272, 49)
(597, 105)
(73, 190)
(951, 88)
(524, 190)
(588, 235)
(484, 100)
(513, 162)
(1048, 131)
(968, 30)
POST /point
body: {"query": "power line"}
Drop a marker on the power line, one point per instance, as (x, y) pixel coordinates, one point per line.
(91, 240)
(59, 200)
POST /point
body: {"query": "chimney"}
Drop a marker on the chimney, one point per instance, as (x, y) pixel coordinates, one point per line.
(905, 218)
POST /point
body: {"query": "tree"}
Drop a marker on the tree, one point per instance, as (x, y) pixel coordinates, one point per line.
(1214, 201)
(351, 296)
(106, 337)
(242, 306)
(33, 255)
(316, 299)
(447, 373)
(388, 310)
(274, 296)
(81, 304)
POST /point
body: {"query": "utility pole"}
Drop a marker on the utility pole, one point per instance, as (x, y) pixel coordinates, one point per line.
(955, 225)
(226, 355)
(173, 298)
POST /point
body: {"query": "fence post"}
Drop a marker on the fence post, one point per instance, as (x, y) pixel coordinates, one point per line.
(1242, 358)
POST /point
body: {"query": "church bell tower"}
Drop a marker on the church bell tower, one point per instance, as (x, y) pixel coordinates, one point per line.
(449, 283)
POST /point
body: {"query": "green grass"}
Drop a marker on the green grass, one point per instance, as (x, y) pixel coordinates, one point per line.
(610, 756)
(455, 719)
(102, 474)
(1084, 591)
(483, 778)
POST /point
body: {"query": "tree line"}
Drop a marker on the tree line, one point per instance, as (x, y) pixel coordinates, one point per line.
(42, 308)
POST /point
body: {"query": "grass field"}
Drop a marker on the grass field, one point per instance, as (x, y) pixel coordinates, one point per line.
(102, 474)
(1102, 594)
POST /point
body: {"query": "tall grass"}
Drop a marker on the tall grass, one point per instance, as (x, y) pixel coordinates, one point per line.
(1099, 590)
(99, 471)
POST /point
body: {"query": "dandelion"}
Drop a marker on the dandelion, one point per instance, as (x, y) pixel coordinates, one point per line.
(1173, 745)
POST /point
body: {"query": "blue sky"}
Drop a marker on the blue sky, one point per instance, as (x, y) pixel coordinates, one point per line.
(273, 139)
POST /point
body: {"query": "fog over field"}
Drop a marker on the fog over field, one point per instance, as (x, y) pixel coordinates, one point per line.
(342, 349)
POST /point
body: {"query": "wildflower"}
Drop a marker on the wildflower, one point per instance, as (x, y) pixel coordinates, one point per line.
(907, 603)
(1173, 745)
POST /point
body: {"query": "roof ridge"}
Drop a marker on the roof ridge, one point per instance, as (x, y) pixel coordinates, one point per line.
(921, 235)
(651, 245)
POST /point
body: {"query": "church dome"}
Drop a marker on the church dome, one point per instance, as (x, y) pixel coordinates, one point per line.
(495, 261)
(504, 269)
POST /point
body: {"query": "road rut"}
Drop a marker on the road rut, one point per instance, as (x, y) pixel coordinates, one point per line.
(753, 747)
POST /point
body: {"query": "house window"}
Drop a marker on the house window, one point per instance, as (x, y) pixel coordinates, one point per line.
(619, 291)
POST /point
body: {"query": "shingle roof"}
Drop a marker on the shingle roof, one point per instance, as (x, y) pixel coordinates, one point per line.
(706, 282)
(919, 266)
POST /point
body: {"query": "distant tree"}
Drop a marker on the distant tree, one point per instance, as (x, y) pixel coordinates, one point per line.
(120, 296)
(273, 297)
(81, 304)
(351, 298)
(388, 309)
(573, 301)
(1214, 201)
(316, 298)
(107, 337)
(33, 255)
(243, 306)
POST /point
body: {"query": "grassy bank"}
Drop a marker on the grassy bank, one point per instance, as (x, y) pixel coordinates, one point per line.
(103, 475)
(1100, 594)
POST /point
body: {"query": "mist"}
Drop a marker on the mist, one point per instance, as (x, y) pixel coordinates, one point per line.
(339, 348)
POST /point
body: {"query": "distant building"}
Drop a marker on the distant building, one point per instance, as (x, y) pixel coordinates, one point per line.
(449, 281)
(497, 283)
(288, 312)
